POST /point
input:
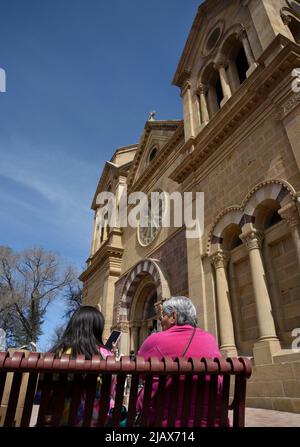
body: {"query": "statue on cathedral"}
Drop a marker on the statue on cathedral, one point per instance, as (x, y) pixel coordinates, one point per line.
(151, 116)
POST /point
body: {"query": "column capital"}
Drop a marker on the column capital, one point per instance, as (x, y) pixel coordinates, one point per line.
(220, 259)
(124, 327)
(252, 239)
(202, 89)
(290, 214)
(242, 33)
(287, 19)
(185, 87)
(220, 63)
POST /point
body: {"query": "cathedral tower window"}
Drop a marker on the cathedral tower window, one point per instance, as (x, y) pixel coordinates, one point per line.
(242, 65)
(294, 27)
(153, 154)
(290, 15)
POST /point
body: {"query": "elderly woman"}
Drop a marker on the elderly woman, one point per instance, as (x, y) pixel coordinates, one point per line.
(180, 338)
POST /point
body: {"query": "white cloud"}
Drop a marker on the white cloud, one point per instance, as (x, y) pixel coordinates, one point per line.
(61, 181)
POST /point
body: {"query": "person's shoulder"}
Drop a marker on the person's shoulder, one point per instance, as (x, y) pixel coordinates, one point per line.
(153, 337)
(205, 334)
(150, 342)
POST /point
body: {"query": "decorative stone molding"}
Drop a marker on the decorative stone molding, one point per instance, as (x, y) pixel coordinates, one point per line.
(186, 86)
(276, 189)
(220, 63)
(156, 270)
(242, 34)
(202, 89)
(185, 76)
(292, 102)
(290, 214)
(124, 327)
(286, 19)
(253, 239)
(288, 12)
(220, 260)
(107, 257)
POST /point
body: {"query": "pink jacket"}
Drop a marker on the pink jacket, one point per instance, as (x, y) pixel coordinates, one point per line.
(172, 343)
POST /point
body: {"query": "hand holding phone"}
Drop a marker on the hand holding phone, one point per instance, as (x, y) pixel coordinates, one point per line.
(113, 339)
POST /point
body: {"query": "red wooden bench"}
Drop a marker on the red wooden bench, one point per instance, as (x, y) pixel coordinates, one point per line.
(66, 377)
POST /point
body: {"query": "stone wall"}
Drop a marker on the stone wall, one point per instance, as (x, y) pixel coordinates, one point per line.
(275, 387)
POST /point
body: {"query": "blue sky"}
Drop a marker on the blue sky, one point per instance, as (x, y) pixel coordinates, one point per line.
(82, 77)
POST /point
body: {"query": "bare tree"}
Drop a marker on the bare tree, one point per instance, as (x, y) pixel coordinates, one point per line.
(74, 297)
(28, 282)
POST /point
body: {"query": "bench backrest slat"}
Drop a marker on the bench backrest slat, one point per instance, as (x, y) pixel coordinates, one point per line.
(200, 390)
(13, 400)
(76, 387)
(160, 400)
(45, 385)
(187, 391)
(212, 402)
(29, 399)
(225, 400)
(174, 397)
(61, 392)
(239, 402)
(131, 414)
(104, 399)
(146, 400)
(3, 376)
(90, 384)
(118, 400)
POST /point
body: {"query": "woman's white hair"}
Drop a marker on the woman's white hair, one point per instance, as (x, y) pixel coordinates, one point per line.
(183, 307)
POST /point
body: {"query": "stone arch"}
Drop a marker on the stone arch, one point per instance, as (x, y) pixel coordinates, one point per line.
(232, 215)
(232, 51)
(290, 15)
(277, 190)
(210, 80)
(156, 270)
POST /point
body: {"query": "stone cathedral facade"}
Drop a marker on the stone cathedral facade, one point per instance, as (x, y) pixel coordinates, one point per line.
(239, 143)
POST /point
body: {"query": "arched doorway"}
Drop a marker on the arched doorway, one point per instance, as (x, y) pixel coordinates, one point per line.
(144, 313)
(145, 289)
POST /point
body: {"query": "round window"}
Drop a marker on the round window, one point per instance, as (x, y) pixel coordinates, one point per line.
(213, 39)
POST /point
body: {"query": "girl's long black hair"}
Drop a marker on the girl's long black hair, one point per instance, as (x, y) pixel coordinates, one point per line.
(83, 334)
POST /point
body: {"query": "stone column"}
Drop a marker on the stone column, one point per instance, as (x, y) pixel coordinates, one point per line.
(134, 338)
(248, 51)
(235, 309)
(124, 340)
(228, 348)
(202, 91)
(189, 129)
(290, 214)
(220, 66)
(93, 245)
(267, 333)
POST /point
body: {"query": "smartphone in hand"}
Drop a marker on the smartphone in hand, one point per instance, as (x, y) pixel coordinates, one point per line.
(113, 338)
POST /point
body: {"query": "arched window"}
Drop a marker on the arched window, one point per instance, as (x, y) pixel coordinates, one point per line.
(150, 310)
(233, 51)
(230, 237)
(266, 214)
(291, 17)
(242, 65)
(153, 154)
(294, 27)
(214, 95)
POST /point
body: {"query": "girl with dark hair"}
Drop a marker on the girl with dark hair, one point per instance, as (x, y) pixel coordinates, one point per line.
(83, 335)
